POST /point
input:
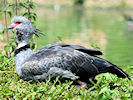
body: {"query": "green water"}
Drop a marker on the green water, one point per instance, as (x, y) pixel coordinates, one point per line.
(67, 22)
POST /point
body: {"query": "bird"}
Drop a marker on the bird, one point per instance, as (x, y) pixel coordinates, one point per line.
(72, 62)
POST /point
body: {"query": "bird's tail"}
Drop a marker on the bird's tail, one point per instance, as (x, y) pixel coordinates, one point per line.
(118, 71)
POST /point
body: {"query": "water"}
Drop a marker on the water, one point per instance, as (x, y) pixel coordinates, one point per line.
(101, 28)
(66, 23)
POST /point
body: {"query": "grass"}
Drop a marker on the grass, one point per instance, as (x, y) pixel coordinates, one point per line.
(12, 87)
(108, 86)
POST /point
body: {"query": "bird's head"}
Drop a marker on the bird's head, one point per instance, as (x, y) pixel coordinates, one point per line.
(23, 29)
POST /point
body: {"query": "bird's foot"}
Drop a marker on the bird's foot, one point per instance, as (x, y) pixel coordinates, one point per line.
(81, 84)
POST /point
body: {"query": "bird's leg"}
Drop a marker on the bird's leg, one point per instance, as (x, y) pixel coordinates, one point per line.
(82, 84)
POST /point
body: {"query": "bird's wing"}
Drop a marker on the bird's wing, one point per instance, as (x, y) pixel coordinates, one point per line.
(68, 60)
(91, 52)
(79, 63)
(54, 72)
(83, 49)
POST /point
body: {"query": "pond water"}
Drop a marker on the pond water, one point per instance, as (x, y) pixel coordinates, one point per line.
(66, 23)
(101, 29)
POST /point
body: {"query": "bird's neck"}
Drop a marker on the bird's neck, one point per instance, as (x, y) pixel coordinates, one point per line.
(21, 55)
(22, 48)
(22, 44)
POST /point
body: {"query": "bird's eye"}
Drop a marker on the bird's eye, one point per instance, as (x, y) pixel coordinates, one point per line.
(17, 22)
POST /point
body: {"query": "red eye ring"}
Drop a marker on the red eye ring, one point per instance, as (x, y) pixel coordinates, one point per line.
(17, 22)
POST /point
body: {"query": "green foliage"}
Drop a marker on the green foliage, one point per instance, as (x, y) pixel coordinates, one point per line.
(2, 31)
(33, 45)
(26, 5)
(6, 56)
(6, 9)
(108, 87)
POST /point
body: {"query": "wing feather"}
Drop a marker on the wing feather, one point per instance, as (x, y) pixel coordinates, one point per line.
(74, 59)
(75, 47)
(69, 59)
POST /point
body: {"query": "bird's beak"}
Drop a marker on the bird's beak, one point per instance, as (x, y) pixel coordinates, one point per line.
(11, 26)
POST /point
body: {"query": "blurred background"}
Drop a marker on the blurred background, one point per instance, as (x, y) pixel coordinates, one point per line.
(106, 25)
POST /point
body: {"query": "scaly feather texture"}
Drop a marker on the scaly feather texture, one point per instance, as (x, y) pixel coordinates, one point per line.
(67, 61)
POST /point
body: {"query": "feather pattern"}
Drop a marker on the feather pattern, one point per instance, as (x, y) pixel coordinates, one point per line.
(81, 65)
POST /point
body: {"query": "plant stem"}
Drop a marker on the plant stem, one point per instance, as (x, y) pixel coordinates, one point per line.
(16, 3)
(29, 17)
(6, 21)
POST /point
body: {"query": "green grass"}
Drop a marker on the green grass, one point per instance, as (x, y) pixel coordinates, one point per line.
(108, 86)
(12, 87)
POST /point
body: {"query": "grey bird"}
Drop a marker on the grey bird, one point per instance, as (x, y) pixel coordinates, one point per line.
(71, 62)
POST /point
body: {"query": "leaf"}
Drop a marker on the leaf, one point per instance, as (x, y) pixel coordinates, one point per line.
(18, 88)
(35, 88)
(7, 6)
(1, 12)
(82, 97)
(100, 97)
(2, 31)
(49, 98)
(67, 96)
(9, 12)
(10, 4)
(103, 90)
(24, 5)
(6, 48)
(13, 48)
(1, 68)
(61, 91)
(52, 89)
(33, 4)
(33, 96)
(25, 14)
(34, 18)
